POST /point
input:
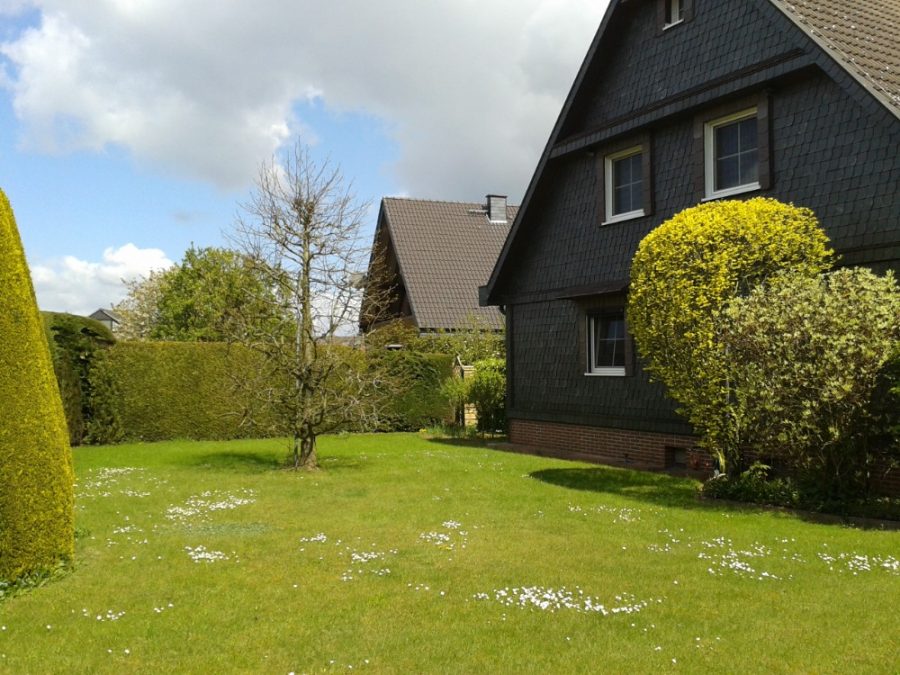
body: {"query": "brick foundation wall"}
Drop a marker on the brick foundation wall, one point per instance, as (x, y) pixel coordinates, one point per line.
(633, 449)
(616, 447)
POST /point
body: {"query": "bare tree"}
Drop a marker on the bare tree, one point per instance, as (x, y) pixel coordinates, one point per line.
(300, 230)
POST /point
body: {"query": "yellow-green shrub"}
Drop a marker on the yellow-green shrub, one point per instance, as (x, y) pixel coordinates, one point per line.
(682, 278)
(36, 476)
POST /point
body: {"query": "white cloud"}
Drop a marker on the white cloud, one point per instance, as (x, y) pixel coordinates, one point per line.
(80, 287)
(469, 89)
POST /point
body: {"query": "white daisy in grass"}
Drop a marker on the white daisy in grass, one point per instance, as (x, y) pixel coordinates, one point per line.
(545, 599)
(200, 554)
(197, 508)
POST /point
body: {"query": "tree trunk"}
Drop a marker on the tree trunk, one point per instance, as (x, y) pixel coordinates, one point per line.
(308, 458)
(304, 452)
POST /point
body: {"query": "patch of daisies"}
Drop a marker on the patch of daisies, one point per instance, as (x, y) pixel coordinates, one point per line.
(546, 599)
(197, 508)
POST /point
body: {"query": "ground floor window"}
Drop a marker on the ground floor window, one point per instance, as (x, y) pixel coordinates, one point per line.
(606, 342)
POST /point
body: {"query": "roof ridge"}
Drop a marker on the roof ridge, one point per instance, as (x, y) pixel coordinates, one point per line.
(439, 201)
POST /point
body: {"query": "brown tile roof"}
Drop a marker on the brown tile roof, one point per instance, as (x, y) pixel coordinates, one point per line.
(862, 35)
(446, 250)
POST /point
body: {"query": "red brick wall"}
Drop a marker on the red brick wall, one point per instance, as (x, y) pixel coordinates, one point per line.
(630, 449)
(616, 447)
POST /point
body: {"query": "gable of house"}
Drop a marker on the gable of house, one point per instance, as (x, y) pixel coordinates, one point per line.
(435, 255)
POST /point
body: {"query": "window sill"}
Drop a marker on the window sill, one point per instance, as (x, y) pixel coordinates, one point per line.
(606, 372)
(730, 192)
(673, 24)
(622, 217)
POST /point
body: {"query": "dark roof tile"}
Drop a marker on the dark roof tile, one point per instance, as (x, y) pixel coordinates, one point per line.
(446, 250)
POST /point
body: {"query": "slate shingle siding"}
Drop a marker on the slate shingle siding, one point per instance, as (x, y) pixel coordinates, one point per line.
(549, 381)
(829, 152)
(643, 67)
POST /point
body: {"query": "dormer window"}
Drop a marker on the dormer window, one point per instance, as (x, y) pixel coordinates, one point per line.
(674, 12)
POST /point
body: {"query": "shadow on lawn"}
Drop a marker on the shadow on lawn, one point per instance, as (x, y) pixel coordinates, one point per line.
(243, 462)
(660, 489)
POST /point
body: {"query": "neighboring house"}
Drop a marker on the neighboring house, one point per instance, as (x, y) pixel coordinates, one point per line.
(680, 102)
(108, 318)
(433, 257)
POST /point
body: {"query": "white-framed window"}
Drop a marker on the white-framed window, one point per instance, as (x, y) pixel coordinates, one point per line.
(731, 149)
(624, 188)
(674, 13)
(606, 343)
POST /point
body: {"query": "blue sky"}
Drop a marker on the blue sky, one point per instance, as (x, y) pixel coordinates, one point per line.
(130, 129)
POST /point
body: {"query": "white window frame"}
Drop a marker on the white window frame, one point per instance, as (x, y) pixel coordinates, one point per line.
(709, 152)
(601, 371)
(674, 8)
(609, 179)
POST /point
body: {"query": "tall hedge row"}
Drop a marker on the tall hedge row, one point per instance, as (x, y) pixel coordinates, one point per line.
(153, 391)
(36, 475)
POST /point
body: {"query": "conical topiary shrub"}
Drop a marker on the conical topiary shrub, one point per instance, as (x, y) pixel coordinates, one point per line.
(36, 476)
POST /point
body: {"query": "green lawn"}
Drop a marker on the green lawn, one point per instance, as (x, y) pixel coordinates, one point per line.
(411, 555)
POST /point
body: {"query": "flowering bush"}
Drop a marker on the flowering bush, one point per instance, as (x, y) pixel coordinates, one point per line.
(684, 275)
(805, 356)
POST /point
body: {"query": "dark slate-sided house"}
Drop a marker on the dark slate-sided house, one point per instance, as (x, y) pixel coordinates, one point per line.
(680, 102)
(434, 256)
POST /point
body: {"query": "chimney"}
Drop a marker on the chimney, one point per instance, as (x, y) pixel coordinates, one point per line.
(496, 208)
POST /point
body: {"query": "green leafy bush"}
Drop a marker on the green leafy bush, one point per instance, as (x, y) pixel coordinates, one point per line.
(885, 408)
(754, 486)
(417, 377)
(684, 275)
(488, 393)
(806, 356)
(36, 476)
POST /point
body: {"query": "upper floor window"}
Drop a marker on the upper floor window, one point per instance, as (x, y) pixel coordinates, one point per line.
(731, 149)
(606, 342)
(624, 187)
(674, 12)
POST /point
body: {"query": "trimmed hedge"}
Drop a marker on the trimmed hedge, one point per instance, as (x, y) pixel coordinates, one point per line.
(75, 342)
(154, 391)
(36, 475)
